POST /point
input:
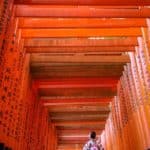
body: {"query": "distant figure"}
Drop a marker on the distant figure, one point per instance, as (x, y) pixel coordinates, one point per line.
(92, 143)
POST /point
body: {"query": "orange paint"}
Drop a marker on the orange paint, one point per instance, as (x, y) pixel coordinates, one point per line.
(60, 33)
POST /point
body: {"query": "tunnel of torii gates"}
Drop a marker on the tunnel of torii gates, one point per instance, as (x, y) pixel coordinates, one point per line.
(68, 67)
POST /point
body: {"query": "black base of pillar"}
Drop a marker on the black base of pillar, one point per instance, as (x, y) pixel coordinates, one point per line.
(7, 148)
(2, 146)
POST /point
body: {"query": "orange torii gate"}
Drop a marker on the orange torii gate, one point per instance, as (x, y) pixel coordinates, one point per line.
(68, 67)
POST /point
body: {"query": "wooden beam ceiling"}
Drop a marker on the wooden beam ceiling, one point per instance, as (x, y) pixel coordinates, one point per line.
(70, 139)
(48, 101)
(108, 3)
(62, 134)
(78, 92)
(74, 132)
(72, 11)
(69, 146)
(26, 22)
(80, 124)
(83, 115)
(80, 45)
(46, 58)
(79, 108)
(69, 70)
(71, 117)
(79, 113)
(76, 83)
(80, 49)
(81, 42)
(73, 141)
(84, 124)
(80, 32)
(77, 55)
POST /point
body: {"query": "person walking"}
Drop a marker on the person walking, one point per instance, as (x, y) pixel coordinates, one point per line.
(92, 144)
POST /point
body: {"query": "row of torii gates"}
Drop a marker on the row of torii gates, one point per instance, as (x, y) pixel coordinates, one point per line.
(68, 67)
